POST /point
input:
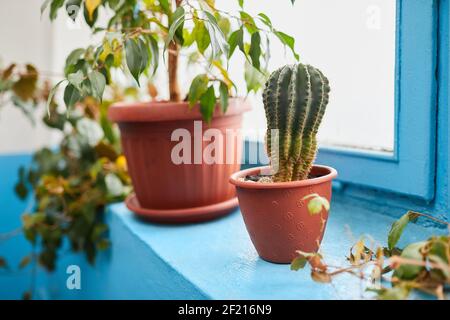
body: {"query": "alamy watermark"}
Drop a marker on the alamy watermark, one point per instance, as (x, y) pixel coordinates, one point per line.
(214, 146)
(73, 281)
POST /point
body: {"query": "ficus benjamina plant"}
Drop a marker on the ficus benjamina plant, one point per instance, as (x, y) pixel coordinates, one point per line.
(139, 32)
(295, 99)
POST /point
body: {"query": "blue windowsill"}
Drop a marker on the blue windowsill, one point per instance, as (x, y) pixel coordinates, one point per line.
(216, 260)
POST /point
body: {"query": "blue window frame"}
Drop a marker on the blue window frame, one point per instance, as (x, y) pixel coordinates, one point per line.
(444, 96)
(410, 169)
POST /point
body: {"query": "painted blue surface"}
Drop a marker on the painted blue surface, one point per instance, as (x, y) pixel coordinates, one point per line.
(13, 282)
(411, 170)
(216, 260)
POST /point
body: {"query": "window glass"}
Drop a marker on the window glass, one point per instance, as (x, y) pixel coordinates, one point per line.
(353, 42)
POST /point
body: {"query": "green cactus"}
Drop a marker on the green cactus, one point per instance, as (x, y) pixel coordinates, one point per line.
(295, 98)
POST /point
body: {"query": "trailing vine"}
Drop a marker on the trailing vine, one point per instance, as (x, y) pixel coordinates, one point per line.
(72, 183)
(394, 273)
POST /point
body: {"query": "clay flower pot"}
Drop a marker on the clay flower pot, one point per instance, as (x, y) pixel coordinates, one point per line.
(167, 190)
(276, 214)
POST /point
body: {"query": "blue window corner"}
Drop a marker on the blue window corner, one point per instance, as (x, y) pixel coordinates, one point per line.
(410, 169)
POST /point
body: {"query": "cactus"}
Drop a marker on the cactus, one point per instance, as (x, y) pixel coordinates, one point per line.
(295, 98)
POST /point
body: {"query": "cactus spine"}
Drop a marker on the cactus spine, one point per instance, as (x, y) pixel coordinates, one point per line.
(295, 98)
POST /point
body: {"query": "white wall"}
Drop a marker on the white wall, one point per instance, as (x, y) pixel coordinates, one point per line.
(24, 38)
(28, 38)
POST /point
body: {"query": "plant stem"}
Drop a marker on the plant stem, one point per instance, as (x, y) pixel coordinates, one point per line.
(174, 49)
(174, 89)
(431, 218)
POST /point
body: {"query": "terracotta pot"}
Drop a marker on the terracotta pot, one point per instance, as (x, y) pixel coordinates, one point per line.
(159, 183)
(277, 218)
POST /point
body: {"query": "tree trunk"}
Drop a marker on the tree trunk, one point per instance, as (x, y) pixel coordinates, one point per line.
(174, 49)
(174, 89)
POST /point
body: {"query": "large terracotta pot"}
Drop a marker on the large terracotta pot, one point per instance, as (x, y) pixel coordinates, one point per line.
(159, 183)
(277, 217)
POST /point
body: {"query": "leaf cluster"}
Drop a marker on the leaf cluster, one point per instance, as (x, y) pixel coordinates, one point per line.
(422, 266)
(140, 32)
(18, 84)
(71, 184)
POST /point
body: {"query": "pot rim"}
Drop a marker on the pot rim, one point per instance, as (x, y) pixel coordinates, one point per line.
(155, 111)
(234, 179)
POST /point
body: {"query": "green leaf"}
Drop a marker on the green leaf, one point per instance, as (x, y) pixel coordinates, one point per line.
(76, 79)
(241, 3)
(224, 25)
(217, 37)
(137, 57)
(54, 7)
(201, 36)
(397, 228)
(223, 90)
(207, 104)
(86, 88)
(198, 87)
(248, 22)
(71, 95)
(52, 94)
(177, 22)
(72, 59)
(21, 190)
(298, 263)
(98, 83)
(253, 78)
(21, 186)
(74, 56)
(408, 271)
(188, 38)
(395, 293)
(236, 39)
(316, 204)
(155, 52)
(165, 6)
(288, 41)
(132, 52)
(265, 19)
(255, 50)
(108, 129)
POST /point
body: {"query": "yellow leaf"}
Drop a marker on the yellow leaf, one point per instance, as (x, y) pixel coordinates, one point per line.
(121, 163)
(91, 5)
(224, 73)
(211, 4)
(357, 252)
(25, 87)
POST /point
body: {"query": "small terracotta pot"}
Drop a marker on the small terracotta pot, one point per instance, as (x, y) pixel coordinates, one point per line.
(159, 183)
(277, 218)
